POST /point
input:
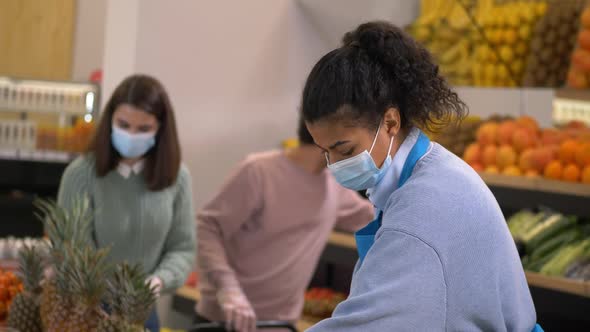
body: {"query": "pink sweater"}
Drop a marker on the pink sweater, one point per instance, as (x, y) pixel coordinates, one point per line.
(265, 231)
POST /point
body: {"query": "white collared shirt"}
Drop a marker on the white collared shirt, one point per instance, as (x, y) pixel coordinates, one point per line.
(126, 170)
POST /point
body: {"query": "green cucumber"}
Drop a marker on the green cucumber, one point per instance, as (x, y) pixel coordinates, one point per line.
(546, 230)
(558, 264)
(566, 236)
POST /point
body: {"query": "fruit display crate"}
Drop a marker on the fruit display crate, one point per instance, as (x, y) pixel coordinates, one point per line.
(558, 301)
(186, 297)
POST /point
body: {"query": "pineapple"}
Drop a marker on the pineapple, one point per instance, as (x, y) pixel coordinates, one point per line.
(67, 231)
(24, 312)
(72, 297)
(130, 300)
(86, 276)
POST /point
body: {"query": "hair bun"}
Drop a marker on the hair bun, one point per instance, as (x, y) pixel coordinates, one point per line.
(374, 37)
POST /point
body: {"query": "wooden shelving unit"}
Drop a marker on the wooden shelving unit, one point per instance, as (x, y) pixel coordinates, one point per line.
(580, 288)
(515, 193)
(537, 184)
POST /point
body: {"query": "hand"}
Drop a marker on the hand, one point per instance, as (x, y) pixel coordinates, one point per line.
(156, 284)
(238, 312)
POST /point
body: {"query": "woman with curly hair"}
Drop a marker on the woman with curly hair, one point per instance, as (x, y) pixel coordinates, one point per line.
(439, 256)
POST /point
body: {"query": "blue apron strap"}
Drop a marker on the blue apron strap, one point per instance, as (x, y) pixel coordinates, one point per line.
(537, 328)
(366, 236)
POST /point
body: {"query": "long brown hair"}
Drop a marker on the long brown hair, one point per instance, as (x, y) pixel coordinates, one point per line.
(163, 160)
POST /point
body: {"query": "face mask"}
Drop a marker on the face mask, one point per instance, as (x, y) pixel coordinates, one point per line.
(360, 171)
(132, 145)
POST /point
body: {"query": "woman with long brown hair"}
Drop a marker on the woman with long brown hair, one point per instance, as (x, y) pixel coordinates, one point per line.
(140, 193)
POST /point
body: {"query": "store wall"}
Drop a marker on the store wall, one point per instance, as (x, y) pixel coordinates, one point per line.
(234, 70)
(88, 38)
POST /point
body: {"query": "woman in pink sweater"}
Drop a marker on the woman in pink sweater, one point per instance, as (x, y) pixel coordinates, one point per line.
(261, 236)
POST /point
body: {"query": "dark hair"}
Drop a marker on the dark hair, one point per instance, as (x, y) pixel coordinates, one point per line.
(377, 67)
(303, 134)
(163, 160)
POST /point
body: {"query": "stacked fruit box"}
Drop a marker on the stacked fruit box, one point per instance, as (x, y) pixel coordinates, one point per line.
(579, 72)
(520, 147)
(552, 244)
(507, 43)
(552, 44)
(508, 29)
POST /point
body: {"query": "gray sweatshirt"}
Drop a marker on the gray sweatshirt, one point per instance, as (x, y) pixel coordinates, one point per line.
(443, 259)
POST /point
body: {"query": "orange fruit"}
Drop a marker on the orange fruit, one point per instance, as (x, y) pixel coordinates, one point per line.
(512, 171)
(529, 123)
(571, 173)
(581, 59)
(567, 151)
(505, 131)
(582, 154)
(531, 173)
(477, 167)
(586, 18)
(554, 170)
(487, 133)
(584, 39)
(506, 156)
(3, 293)
(526, 161)
(586, 175)
(12, 291)
(489, 155)
(11, 278)
(472, 154)
(576, 78)
(522, 139)
(492, 169)
(542, 157)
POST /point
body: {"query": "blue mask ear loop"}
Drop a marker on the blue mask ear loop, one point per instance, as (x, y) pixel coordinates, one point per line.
(372, 146)
(375, 140)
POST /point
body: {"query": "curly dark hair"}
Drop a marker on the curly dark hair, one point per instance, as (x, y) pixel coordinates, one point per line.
(377, 67)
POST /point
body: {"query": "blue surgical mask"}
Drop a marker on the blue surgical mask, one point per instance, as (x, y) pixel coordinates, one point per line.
(360, 171)
(132, 145)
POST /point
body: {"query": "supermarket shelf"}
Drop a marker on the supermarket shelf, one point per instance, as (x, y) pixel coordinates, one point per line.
(575, 287)
(52, 110)
(37, 156)
(192, 295)
(538, 184)
(342, 240)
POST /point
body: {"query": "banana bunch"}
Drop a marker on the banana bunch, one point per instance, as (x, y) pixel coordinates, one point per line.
(442, 27)
(500, 57)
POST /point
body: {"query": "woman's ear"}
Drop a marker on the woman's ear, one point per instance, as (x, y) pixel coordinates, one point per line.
(392, 121)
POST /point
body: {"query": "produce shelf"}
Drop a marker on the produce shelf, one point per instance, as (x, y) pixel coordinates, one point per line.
(515, 193)
(37, 156)
(188, 296)
(537, 184)
(575, 287)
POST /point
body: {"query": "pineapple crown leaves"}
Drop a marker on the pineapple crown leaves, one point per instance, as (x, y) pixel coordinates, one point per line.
(65, 227)
(128, 294)
(31, 268)
(86, 271)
